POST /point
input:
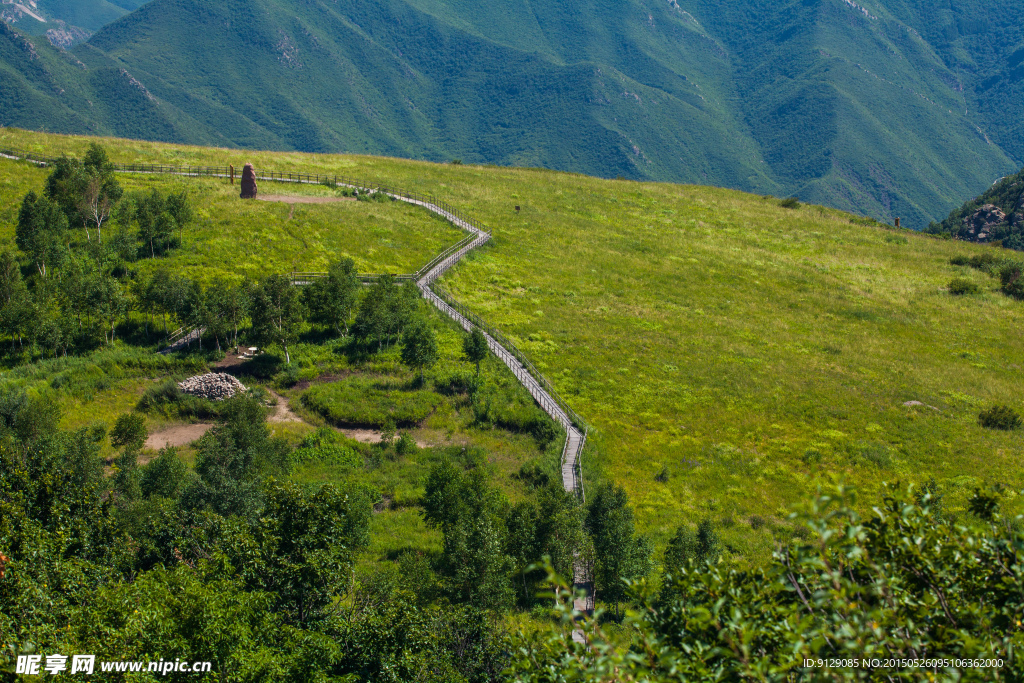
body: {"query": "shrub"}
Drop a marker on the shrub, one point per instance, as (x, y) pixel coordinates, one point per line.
(1010, 278)
(324, 446)
(876, 454)
(288, 377)
(811, 456)
(663, 475)
(165, 475)
(999, 417)
(790, 203)
(455, 383)
(129, 432)
(370, 403)
(986, 262)
(159, 395)
(960, 260)
(959, 286)
(167, 399)
(405, 444)
(533, 476)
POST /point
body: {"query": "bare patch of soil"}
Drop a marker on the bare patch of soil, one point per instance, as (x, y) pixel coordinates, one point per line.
(229, 361)
(282, 413)
(371, 436)
(293, 199)
(179, 435)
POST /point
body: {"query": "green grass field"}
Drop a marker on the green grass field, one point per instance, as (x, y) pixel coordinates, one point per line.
(233, 237)
(757, 352)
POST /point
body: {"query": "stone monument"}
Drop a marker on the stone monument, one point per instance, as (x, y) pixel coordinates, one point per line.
(248, 182)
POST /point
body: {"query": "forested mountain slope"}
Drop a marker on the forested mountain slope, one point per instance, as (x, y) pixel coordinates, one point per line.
(887, 107)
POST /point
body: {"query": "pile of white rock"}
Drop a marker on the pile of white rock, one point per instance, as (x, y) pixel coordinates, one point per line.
(214, 385)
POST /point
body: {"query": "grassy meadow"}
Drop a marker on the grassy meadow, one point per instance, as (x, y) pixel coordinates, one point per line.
(756, 352)
(234, 238)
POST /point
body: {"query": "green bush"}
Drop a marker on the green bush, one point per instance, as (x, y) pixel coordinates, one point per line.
(405, 444)
(455, 383)
(874, 454)
(370, 403)
(492, 407)
(959, 286)
(999, 417)
(1011, 281)
(324, 446)
(790, 203)
(812, 456)
(850, 583)
(960, 260)
(167, 399)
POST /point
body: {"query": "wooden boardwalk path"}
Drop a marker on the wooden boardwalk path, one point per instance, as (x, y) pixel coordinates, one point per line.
(575, 440)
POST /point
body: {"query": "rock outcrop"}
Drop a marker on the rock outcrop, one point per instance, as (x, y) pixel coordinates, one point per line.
(979, 224)
(248, 182)
(215, 386)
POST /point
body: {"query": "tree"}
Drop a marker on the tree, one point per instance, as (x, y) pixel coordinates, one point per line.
(15, 300)
(276, 312)
(619, 554)
(129, 432)
(898, 584)
(220, 310)
(302, 547)
(233, 459)
(232, 305)
(155, 221)
(65, 186)
(99, 194)
(109, 301)
(561, 531)
(165, 475)
(330, 300)
(127, 475)
(386, 310)
(474, 345)
(179, 208)
(41, 225)
(521, 543)
(419, 347)
(466, 509)
(48, 326)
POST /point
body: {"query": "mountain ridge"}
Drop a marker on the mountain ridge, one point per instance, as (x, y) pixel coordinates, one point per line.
(841, 103)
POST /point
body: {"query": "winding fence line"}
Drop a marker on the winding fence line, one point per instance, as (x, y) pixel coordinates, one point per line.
(529, 376)
(526, 372)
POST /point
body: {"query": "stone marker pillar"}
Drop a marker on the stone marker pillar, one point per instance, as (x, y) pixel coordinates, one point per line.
(248, 182)
(897, 221)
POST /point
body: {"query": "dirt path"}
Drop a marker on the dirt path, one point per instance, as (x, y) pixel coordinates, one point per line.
(178, 435)
(371, 436)
(282, 413)
(298, 199)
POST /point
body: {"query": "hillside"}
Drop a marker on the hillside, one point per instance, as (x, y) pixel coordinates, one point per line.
(64, 22)
(891, 108)
(750, 351)
(996, 215)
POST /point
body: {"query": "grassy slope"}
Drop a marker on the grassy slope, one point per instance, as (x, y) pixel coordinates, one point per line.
(240, 238)
(756, 351)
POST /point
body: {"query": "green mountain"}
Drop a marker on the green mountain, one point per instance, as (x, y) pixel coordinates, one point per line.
(65, 22)
(889, 107)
